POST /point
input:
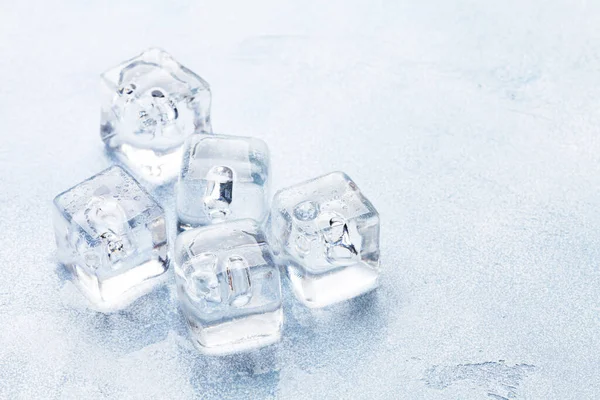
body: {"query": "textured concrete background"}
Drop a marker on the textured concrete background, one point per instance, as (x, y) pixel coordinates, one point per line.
(472, 126)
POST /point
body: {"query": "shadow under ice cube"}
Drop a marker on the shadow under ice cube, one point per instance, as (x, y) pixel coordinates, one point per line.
(326, 233)
(229, 287)
(111, 235)
(222, 178)
(150, 105)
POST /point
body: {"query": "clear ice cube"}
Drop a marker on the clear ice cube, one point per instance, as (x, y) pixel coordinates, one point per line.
(326, 233)
(111, 234)
(229, 287)
(150, 105)
(222, 178)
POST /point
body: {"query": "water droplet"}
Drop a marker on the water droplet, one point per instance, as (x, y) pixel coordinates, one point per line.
(306, 211)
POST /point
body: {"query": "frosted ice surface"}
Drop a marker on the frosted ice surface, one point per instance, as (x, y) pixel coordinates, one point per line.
(327, 234)
(229, 287)
(150, 105)
(111, 234)
(222, 178)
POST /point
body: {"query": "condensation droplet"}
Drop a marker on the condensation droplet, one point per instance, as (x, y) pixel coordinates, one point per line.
(306, 211)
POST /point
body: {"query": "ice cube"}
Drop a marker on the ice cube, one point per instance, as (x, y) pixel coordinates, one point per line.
(222, 178)
(229, 287)
(326, 233)
(150, 105)
(111, 235)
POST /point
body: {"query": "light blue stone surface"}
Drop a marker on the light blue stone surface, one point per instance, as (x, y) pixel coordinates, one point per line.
(473, 126)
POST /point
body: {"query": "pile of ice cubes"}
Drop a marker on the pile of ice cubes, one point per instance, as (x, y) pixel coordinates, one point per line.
(113, 237)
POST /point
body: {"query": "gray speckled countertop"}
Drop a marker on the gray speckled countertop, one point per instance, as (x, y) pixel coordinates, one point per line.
(472, 126)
